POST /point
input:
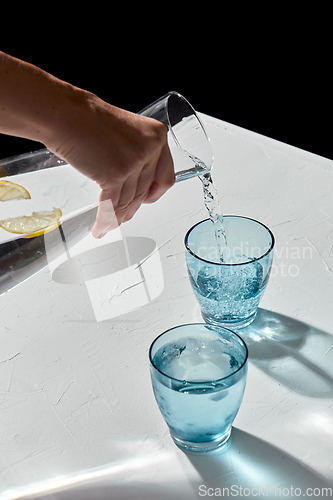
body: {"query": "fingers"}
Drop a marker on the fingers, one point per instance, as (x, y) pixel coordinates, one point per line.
(144, 182)
(133, 192)
(105, 218)
(164, 177)
(153, 182)
(119, 204)
(147, 185)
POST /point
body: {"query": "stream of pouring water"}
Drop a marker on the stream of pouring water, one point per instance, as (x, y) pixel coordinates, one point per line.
(214, 211)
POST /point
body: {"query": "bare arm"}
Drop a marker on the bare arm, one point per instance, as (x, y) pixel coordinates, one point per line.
(126, 154)
(31, 100)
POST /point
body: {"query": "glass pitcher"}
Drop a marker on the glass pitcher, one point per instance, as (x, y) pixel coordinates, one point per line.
(188, 142)
(63, 186)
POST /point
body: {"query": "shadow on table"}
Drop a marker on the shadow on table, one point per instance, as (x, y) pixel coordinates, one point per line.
(292, 352)
(119, 277)
(247, 463)
(245, 467)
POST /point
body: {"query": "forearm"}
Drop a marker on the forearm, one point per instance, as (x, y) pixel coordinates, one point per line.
(33, 103)
(125, 153)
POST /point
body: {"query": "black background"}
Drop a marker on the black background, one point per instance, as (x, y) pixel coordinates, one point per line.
(258, 78)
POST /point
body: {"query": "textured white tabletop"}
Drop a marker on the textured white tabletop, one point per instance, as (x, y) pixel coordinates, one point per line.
(78, 419)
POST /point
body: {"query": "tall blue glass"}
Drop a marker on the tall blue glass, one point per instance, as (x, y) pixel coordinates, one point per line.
(198, 372)
(229, 291)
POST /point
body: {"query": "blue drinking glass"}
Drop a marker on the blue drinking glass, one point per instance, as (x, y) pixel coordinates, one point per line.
(229, 291)
(198, 373)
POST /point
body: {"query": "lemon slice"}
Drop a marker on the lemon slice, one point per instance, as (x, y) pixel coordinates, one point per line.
(11, 191)
(35, 224)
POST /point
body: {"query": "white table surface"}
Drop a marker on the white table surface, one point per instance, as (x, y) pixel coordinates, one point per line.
(78, 419)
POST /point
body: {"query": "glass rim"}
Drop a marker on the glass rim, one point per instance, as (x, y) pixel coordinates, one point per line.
(195, 114)
(230, 263)
(210, 327)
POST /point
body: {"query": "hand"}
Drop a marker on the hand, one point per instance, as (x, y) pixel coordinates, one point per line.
(125, 153)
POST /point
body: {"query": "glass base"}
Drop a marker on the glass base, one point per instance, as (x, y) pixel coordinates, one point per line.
(201, 447)
(232, 324)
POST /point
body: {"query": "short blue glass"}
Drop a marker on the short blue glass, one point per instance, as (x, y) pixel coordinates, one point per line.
(229, 292)
(198, 373)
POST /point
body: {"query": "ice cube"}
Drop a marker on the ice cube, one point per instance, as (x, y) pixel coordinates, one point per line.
(234, 363)
(192, 345)
(210, 371)
(175, 369)
(167, 360)
(170, 351)
(191, 355)
(222, 361)
(194, 359)
(214, 345)
(203, 372)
